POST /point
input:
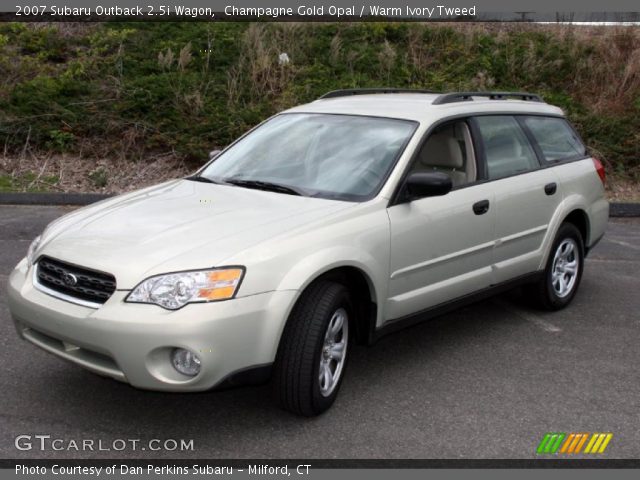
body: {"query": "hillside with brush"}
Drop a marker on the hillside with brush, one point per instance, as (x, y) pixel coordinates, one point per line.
(110, 106)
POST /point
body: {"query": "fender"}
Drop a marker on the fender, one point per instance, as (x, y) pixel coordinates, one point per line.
(303, 273)
(570, 203)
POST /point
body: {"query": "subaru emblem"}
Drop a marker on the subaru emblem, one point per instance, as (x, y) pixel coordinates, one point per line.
(69, 279)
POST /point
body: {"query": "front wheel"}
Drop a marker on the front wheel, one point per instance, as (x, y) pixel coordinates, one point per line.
(313, 351)
(563, 270)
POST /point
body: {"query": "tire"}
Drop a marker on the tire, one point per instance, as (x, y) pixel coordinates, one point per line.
(305, 348)
(558, 286)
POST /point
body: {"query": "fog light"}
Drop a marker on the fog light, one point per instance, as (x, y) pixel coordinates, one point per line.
(185, 361)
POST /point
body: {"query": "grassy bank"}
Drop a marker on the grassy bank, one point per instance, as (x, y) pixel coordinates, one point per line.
(110, 94)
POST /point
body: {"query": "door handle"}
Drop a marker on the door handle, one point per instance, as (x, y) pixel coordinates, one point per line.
(481, 207)
(550, 188)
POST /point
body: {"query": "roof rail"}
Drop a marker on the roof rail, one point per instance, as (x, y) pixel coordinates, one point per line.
(466, 96)
(369, 91)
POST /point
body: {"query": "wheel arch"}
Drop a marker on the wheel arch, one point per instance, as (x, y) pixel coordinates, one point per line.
(579, 218)
(363, 295)
(571, 212)
(362, 288)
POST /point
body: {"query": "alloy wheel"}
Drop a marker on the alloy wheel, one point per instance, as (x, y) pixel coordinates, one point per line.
(565, 267)
(334, 352)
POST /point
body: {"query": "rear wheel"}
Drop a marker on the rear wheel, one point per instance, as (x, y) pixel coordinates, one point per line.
(313, 351)
(563, 271)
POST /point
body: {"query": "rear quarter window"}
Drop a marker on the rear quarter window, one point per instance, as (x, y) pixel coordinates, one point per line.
(555, 137)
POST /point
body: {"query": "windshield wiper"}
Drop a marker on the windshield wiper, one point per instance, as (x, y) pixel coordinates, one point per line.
(200, 178)
(267, 186)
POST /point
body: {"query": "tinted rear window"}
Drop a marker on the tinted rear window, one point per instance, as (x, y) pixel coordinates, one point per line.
(556, 138)
(507, 149)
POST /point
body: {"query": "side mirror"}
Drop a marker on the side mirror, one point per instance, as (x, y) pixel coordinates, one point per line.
(428, 184)
(214, 153)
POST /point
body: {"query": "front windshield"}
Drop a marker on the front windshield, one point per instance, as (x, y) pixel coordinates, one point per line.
(331, 156)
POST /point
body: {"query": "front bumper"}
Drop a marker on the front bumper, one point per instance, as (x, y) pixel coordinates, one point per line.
(132, 342)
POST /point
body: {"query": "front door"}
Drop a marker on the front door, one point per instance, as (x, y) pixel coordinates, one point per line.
(441, 247)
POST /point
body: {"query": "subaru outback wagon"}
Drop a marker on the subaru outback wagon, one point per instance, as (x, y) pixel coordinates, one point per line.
(330, 223)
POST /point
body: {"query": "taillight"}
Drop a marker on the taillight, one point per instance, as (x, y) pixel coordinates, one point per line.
(599, 169)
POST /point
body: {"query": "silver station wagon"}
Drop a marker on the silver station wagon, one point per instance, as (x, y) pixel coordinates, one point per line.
(330, 223)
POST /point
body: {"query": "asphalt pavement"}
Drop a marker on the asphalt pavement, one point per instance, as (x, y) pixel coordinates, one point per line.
(486, 381)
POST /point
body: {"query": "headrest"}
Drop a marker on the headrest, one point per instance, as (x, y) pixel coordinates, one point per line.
(459, 130)
(442, 150)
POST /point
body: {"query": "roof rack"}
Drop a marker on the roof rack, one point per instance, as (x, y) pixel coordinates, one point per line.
(369, 91)
(466, 96)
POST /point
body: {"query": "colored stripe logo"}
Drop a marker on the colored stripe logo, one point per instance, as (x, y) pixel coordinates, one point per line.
(572, 443)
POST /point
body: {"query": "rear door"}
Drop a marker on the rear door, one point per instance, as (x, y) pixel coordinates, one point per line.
(526, 195)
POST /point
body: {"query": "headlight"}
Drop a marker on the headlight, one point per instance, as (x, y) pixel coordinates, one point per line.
(32, 250)
(175, 290)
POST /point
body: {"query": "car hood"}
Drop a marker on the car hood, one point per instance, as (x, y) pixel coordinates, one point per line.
(178, 225)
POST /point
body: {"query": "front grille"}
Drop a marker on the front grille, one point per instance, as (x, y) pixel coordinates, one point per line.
(75, 282)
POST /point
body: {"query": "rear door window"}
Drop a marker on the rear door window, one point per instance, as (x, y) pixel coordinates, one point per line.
(506, 146)
(556, 139)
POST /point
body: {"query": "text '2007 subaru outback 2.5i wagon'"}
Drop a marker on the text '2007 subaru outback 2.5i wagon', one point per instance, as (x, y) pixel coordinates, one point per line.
(330, 223)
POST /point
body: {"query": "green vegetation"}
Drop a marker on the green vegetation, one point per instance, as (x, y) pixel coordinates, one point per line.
(128, 90)
(28, 182)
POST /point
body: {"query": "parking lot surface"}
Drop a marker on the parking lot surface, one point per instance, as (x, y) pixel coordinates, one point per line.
(486, 381)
